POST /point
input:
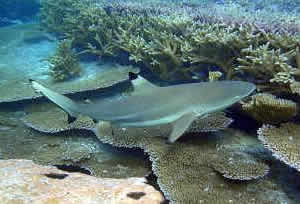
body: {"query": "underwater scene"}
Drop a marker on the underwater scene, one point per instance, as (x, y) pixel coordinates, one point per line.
(149, 102)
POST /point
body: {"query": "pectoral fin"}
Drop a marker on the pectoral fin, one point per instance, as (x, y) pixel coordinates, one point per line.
(180, 126)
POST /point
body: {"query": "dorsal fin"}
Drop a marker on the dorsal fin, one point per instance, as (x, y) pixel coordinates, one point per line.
(140, 83)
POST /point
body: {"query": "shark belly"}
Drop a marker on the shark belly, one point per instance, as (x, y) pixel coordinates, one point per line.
(144, 121)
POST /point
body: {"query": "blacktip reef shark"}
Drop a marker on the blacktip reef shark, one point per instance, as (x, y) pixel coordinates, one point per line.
(151, 105)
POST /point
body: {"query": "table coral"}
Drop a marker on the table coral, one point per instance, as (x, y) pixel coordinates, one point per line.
(238, 166)
(184, 170)
(283, 142)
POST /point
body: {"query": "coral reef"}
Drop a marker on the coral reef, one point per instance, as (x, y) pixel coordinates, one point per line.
(267, 108)
(210, 123)
(57, 121)
(68, 147)
(283, 142)
(175, 40)
(238, 166)
(192, 162)
(185, 170)
(64, 63)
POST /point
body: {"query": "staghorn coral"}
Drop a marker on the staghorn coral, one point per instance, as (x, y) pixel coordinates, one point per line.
(283, 142)
(172, 41)
(238, 166)
(64, 63)
(266, 108)
(210, 44)
(265, 63)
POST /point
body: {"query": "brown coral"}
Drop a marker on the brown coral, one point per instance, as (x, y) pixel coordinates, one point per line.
(284, 142)
(295, 87)
(183, 169)
(266, 108)
(55, 120)
(238, 166)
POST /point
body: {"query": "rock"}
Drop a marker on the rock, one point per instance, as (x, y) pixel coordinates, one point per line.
(22, 181)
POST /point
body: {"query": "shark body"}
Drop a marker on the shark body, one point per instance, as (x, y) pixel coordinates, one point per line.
(150, 105)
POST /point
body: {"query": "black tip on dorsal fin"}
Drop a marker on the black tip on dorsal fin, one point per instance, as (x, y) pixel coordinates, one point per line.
(132, 76)
(30, 80)
(71, 119)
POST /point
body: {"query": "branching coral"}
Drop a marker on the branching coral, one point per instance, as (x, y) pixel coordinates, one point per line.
(64, 63)
(266, 108)
(210, 44)
(267, 64)
(283, 142)
(174, 43)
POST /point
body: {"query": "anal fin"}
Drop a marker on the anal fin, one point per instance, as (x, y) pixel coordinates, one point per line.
(180, 126)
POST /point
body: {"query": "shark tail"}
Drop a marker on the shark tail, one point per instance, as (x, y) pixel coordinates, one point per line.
(60, 100)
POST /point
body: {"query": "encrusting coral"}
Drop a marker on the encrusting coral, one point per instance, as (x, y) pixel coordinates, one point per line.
(283, 142)
(267, 108)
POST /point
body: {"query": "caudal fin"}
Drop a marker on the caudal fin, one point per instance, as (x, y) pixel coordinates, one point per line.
(60, 100)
